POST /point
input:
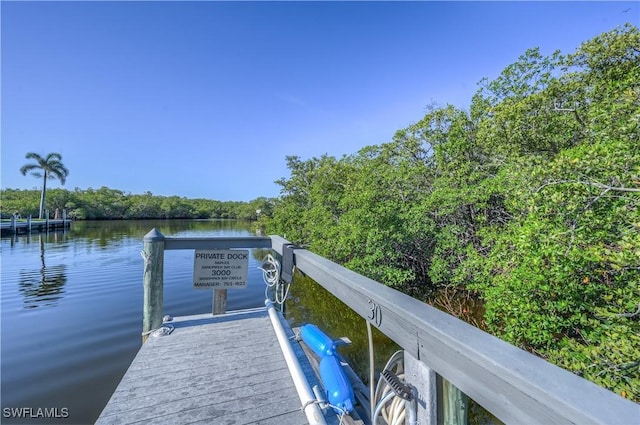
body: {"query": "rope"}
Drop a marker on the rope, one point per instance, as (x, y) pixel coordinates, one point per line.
(372, 374)
(324, 405)
(161, 331)
(392, 412)
(271, 274)
(309, 403)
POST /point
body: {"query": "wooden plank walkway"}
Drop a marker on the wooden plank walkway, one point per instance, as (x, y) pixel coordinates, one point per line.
(225, 369)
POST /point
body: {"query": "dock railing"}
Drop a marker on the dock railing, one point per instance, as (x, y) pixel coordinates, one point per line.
(512, 384)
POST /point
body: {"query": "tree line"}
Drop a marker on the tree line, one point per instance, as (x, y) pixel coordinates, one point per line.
(529, 200)
(113, 204)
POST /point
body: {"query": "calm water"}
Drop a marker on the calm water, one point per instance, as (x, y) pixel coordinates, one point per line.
(72, 310)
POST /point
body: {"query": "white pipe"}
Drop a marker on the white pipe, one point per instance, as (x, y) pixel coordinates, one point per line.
(312, 410)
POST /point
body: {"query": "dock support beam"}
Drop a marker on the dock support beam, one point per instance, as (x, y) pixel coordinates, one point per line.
(153, 281)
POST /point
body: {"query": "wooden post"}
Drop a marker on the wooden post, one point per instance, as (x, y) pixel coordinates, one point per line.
(219, 301)
(46, 221)
(14, 226)
(424, 380)
(153, 254)
(29, 224)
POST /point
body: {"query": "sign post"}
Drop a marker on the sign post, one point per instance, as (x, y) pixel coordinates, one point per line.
(220, 270)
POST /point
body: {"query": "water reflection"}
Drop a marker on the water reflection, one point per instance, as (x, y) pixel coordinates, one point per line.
(311, 303)
(105, 233)
(42, 287)
(259, 254)
(72, 309)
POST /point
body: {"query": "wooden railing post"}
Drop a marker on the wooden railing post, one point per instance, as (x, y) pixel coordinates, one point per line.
(29, 224)
(219, 301)
(14, 225)
(424, 381)
(153, 254)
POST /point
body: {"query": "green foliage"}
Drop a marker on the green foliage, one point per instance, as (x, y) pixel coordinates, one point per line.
(113, 204)
(360, 210)
(530, 199)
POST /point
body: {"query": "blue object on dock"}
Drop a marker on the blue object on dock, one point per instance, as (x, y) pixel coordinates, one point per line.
(317, 340)
(339, 391)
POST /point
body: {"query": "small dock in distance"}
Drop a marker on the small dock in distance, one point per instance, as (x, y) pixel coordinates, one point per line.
(15, 227)
(211, 370)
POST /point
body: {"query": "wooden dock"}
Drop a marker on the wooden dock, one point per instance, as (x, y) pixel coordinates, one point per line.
(223, 369)
(24, 227)
(230, 369)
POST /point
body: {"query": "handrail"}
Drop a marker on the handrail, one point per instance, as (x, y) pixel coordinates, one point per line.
(218, 242)
(155, 243)
(512, 384)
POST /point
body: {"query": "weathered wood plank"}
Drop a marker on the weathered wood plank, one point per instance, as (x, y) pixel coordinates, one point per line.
(206, 402)
(213, 369)
(257, 410)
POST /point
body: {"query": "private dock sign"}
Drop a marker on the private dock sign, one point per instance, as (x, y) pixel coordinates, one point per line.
(221, 269)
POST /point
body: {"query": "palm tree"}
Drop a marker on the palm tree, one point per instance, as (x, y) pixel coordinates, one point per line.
(51, 167)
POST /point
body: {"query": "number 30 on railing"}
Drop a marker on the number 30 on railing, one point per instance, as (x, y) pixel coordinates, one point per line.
(375, 313)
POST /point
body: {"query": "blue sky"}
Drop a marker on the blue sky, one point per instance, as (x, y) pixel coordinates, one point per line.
(205, 99)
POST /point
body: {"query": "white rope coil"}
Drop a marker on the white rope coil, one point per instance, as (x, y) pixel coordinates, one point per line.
(161, 331)
(271, 274)
(390, 406)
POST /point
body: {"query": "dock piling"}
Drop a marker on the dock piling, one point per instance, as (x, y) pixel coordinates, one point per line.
(153, 281)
